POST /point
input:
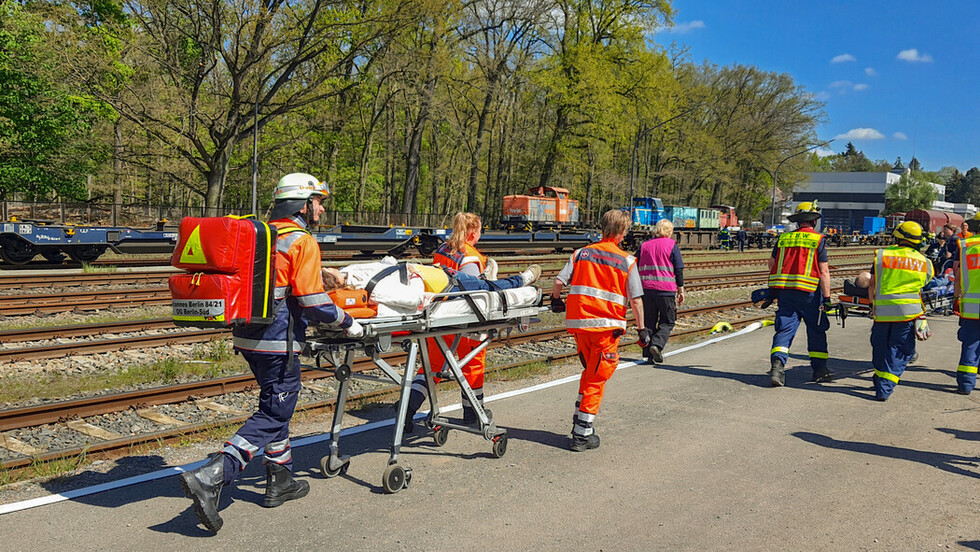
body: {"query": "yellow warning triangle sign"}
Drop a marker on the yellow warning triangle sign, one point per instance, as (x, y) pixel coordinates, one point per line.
(193, 253)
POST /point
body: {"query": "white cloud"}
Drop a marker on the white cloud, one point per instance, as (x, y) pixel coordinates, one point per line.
(842, 58)
(870, 71)
(912, 55)
(900, 136)
(686, 27)
(860, 87)
(821, 96)
(841, 84)
(860, 134)
(824, 152)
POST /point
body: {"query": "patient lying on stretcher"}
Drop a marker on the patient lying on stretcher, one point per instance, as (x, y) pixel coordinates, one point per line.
(395, 289)
(942, 284)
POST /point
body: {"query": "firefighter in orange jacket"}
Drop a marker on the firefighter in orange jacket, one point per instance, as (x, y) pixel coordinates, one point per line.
(459, 254)
(603, 281)
(271, 352)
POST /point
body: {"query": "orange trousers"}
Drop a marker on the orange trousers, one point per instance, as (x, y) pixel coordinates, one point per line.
(473, 371)
(599, 354)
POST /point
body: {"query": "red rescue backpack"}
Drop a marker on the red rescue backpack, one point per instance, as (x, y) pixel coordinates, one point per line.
(231, 272)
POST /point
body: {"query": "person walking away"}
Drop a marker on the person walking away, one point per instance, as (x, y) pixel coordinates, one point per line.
(799, 276)
(603, 281)
(272, 354)
(743, 237)
(966, 265)
(662, 276)
(900, 272)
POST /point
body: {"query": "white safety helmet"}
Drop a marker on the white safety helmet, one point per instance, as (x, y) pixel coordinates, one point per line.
(293, 192)
(299, 186)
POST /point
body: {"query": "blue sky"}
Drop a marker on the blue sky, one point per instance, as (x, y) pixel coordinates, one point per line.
(895, 76)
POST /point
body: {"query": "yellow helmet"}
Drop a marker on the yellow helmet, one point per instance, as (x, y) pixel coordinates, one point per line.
(805, 211)
(909, 232)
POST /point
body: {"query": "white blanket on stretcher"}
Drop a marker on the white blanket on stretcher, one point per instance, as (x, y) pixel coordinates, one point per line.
(395, 298)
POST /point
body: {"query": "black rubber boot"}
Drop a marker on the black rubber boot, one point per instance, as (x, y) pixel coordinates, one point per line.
(470, 417)
(415, 400)
(203, 486)
(280, 486)
(578, 444)
(656, 354)
(822, 375)
(777, 375)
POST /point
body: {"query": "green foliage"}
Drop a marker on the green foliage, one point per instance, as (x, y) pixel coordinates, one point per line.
(853, 160)
(44, 125)
(912, 191)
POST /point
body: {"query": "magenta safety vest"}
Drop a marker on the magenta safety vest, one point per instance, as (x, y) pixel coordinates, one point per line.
(656, 270)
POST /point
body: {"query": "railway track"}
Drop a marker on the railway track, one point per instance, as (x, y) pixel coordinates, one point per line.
(106, 444)
(86, 301)
(52, 412)
(175, 336)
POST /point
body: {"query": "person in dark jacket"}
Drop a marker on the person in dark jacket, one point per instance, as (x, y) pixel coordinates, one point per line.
(272, 354)
(742, 236)
(662, 275)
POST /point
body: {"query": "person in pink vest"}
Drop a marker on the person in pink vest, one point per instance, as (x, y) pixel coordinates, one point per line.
(662, 275)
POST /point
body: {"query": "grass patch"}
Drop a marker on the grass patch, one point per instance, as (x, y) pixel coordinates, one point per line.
(523, 371)
(57, 468)
(216, 350)
(69, 319)
(101, 269)
(57, 385)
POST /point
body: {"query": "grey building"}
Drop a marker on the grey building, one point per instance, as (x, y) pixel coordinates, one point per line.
(845, 198)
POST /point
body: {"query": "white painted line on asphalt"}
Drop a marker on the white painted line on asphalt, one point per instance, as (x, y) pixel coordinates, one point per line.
(313, 439)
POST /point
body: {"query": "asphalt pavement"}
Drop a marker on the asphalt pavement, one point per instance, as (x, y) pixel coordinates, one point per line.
(697, 454)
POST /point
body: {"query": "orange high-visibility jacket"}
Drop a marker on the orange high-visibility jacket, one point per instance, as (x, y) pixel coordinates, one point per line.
(457, 259)
(598, 293)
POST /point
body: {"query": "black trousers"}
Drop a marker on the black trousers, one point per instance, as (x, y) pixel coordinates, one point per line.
(659, 314)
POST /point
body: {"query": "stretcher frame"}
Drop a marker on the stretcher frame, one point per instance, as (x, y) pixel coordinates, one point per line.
(338, 351)
(933, 302)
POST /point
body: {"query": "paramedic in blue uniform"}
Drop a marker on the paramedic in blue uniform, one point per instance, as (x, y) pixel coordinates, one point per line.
(272, 354)
(800, 277)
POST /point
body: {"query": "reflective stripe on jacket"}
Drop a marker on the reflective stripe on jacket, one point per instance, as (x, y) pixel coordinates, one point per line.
(900, 274)
(970, 277)
(299, 285)
(656, 270)
(796, 264)
(444, 256)
(598, 291)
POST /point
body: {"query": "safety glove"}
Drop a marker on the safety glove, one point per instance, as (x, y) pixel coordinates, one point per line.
(557, 304)
(355, 329)
(828, 305)
(922, 331)
(645, 335)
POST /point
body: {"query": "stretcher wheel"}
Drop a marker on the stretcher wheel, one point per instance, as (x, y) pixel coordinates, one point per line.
(394, 479)
(327, 472)
(441, 436)
(342, 372)
(500, 446)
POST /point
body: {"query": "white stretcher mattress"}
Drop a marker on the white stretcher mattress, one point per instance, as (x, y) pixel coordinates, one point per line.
(451, 309)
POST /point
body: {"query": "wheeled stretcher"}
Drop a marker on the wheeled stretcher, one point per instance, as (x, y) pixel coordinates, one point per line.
(855, 301)
(480, 315)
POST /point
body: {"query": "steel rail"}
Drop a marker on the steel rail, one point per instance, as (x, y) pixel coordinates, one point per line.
(139, 443)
